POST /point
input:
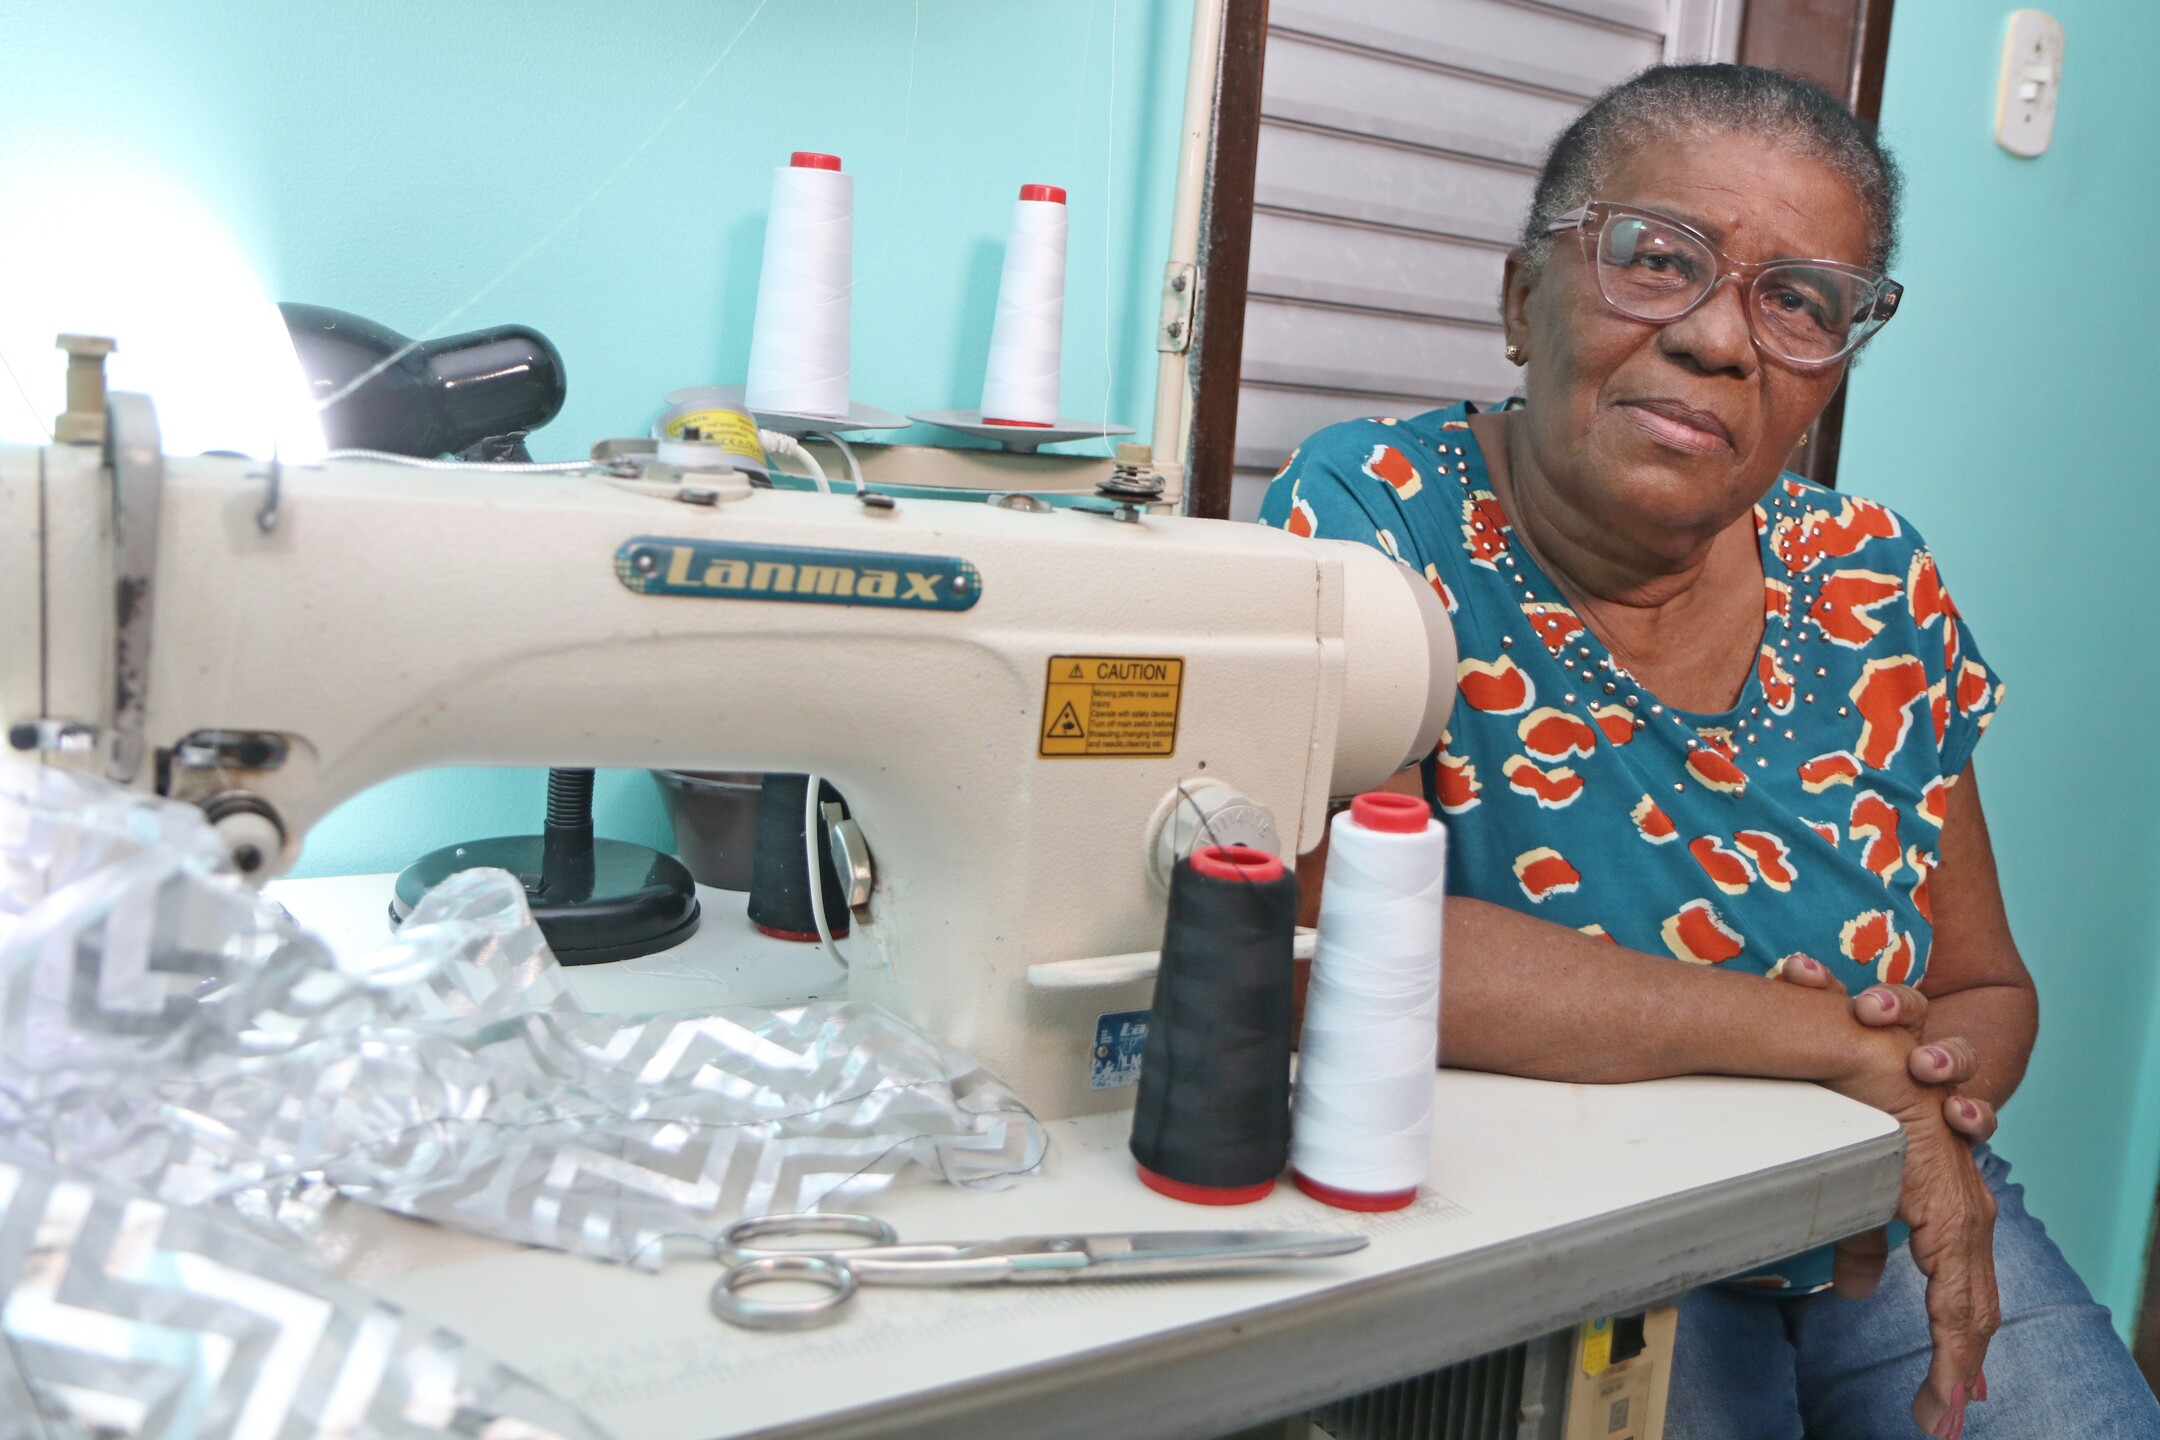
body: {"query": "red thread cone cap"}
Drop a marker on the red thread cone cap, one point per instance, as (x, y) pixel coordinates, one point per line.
(1055, 194)
(1352, 1199)
(1387, 811)
(1237, 862)
(812, 160)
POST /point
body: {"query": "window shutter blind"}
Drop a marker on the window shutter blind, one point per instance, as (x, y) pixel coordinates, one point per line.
(1399, 141)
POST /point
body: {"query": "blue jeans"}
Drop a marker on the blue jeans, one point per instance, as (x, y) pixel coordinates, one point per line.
(1751, 1367)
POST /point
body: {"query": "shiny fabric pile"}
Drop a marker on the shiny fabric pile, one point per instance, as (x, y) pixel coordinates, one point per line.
(225, 1078)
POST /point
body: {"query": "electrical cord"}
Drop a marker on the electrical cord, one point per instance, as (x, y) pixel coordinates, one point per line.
(847, 453)
(813, 834)
(779, 443)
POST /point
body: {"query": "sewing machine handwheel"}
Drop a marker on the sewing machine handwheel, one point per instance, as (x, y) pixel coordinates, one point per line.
(734, 1308)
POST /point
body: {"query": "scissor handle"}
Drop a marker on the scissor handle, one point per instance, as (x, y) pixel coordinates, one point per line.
(783, 1314)
(735, 1250)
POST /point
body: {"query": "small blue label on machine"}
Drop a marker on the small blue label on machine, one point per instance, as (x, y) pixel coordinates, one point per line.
(1119, 1041)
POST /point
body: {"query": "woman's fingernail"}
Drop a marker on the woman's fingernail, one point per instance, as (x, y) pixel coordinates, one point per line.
(1938, 1057)
(1883, 1002)
(1980, 1387)
(1971, 1111)
(1946, 1427)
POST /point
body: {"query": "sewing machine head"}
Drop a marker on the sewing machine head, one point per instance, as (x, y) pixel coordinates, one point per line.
(1011, 701)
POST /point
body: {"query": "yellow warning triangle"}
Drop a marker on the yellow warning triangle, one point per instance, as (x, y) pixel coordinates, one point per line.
(1075, 673)
(1067, 725)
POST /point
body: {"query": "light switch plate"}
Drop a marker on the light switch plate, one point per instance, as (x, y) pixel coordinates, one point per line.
(2031, 79)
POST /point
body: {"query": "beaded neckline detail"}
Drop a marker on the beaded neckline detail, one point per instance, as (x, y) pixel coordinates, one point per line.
(1718, 746)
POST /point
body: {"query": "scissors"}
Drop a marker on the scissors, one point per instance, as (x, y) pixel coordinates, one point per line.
(1025, 1259)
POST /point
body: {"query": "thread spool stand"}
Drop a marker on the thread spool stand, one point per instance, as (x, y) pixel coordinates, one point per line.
(594, 899)
(788, 422)
(1020, 383)
(1022, 440)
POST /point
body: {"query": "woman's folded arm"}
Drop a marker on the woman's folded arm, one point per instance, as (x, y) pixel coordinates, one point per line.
(1526, 996)
(1976, 983)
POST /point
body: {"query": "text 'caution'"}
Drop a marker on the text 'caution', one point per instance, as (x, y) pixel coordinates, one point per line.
(1111, 707)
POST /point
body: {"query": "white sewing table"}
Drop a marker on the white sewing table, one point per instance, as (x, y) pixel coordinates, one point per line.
(1548, 1204)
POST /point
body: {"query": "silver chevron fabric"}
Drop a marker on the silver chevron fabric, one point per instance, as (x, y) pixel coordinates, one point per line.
(125, 1317)
(166, 1029)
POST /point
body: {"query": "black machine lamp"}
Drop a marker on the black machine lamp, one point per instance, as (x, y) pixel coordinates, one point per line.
(476, 396)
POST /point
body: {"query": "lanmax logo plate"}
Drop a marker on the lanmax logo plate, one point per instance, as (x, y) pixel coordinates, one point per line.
(732, 570)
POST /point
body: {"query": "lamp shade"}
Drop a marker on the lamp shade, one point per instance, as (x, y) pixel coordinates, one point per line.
(485, 388)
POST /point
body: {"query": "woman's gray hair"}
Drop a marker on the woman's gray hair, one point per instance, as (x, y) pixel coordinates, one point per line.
(1668, 102)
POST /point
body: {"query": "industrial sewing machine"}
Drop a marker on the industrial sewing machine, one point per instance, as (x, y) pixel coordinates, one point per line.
(1030, 711)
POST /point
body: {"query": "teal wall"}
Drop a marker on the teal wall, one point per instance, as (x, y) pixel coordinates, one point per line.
(397, 157)
(2008, 412)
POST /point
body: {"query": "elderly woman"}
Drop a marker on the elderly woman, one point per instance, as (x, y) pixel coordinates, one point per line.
(1714, 714)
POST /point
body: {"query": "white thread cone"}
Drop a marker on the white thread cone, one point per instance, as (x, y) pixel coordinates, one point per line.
(1021, 382)
(1362, 1119)
(799, 340)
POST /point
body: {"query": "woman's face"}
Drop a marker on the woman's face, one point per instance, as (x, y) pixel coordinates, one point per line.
(1667, 434)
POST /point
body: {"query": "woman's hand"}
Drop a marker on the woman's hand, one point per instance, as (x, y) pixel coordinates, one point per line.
(1952, 1215)
(1942, 1199)
(1951, 1063)
(1936, 1067)
(1942, 1063)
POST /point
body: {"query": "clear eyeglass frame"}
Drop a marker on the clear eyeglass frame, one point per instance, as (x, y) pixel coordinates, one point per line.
(1868, 305)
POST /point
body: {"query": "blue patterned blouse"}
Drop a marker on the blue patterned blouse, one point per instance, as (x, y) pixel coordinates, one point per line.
(1804, 820)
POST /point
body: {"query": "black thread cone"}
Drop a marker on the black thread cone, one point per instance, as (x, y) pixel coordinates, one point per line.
(1214, 1103)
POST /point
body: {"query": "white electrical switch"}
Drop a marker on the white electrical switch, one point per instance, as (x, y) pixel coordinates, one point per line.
(2031, 80)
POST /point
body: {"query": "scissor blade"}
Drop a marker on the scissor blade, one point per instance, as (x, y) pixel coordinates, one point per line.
(1174, 1252)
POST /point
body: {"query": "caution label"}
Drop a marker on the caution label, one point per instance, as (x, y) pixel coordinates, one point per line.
(1110, 707)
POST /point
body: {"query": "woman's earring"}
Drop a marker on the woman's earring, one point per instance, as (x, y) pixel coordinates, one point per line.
(1514, 354)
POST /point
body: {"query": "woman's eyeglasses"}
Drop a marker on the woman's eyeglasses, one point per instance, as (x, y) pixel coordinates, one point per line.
(1807, 313)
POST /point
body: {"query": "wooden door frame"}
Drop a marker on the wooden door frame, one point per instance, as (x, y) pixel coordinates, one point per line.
(1226, 219)
(1843, 46)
